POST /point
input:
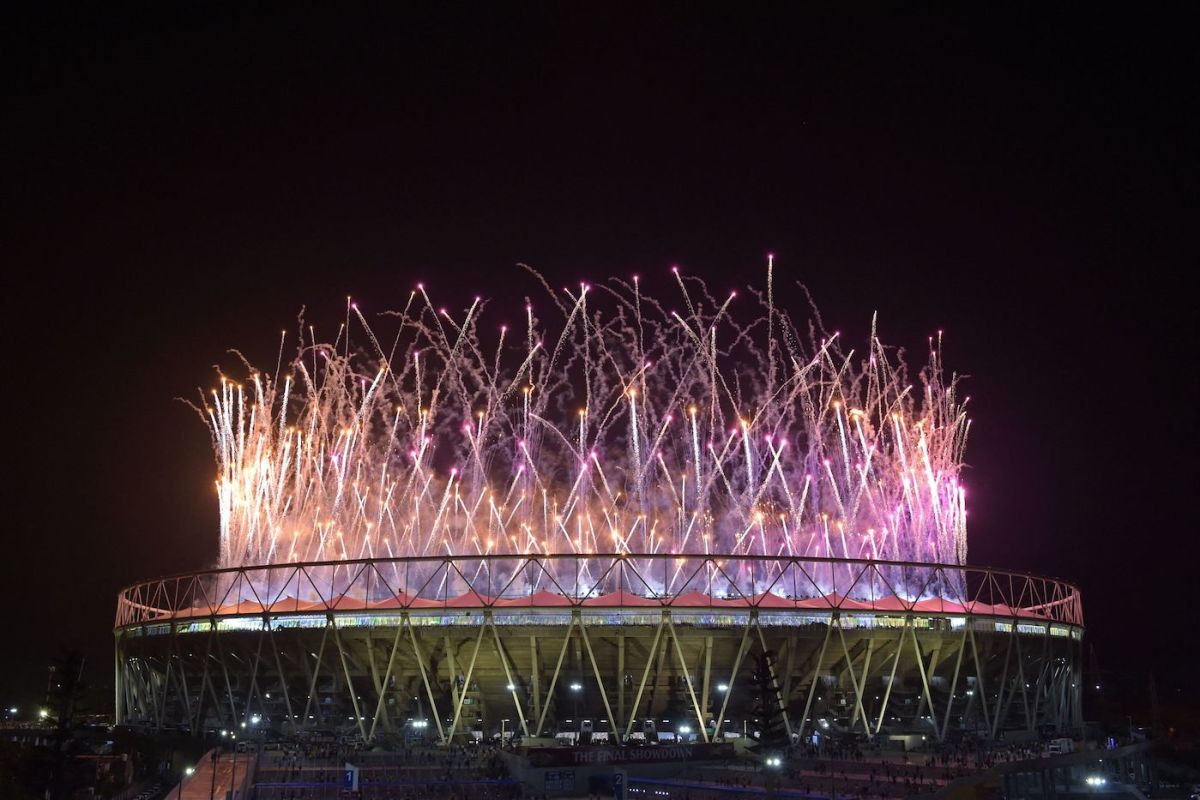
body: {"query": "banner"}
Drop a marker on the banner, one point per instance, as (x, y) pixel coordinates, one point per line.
(602, 756)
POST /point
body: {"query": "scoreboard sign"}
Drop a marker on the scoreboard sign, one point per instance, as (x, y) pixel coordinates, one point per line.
(350, 778)
(558, 781)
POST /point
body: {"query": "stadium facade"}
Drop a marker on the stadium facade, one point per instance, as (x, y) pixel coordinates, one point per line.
(618, 645)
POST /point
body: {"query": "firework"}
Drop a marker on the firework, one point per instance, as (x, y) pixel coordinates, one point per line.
(622, 427)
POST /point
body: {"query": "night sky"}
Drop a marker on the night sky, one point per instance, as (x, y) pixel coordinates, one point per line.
(182, 180)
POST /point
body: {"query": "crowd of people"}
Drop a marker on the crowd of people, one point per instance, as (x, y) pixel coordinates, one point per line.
(825, 778)
(857, 769)
(417, 791)
(316, 772)
(848, 768)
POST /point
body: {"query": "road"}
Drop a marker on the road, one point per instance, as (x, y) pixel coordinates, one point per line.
(200, 785)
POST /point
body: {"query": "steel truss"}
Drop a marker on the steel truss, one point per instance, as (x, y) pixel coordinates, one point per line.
(226, 648)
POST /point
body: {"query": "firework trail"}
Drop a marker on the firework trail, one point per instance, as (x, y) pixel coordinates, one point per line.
(633, 429)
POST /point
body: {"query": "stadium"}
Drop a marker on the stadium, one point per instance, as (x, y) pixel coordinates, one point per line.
(451, 648)
(639, 527)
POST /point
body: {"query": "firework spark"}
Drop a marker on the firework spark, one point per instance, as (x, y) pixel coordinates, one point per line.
(634, 429)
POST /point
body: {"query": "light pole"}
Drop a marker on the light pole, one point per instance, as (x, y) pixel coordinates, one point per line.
(187, 773)
(576, 688)
(233, 775)
(213, 790)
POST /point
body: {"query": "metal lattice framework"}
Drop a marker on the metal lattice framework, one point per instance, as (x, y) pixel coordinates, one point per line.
(547, 640)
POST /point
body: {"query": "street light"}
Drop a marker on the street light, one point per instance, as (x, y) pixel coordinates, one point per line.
(233, 773)
(577, 687)
(187, 773)
(722, 687)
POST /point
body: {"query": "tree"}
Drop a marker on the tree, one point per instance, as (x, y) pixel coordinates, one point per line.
(66, 704)
(768, 715)
(768, 719)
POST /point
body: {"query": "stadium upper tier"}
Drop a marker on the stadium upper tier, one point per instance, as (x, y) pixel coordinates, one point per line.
(602, 581)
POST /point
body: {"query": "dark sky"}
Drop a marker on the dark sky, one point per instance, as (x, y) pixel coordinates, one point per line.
(180, 179)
